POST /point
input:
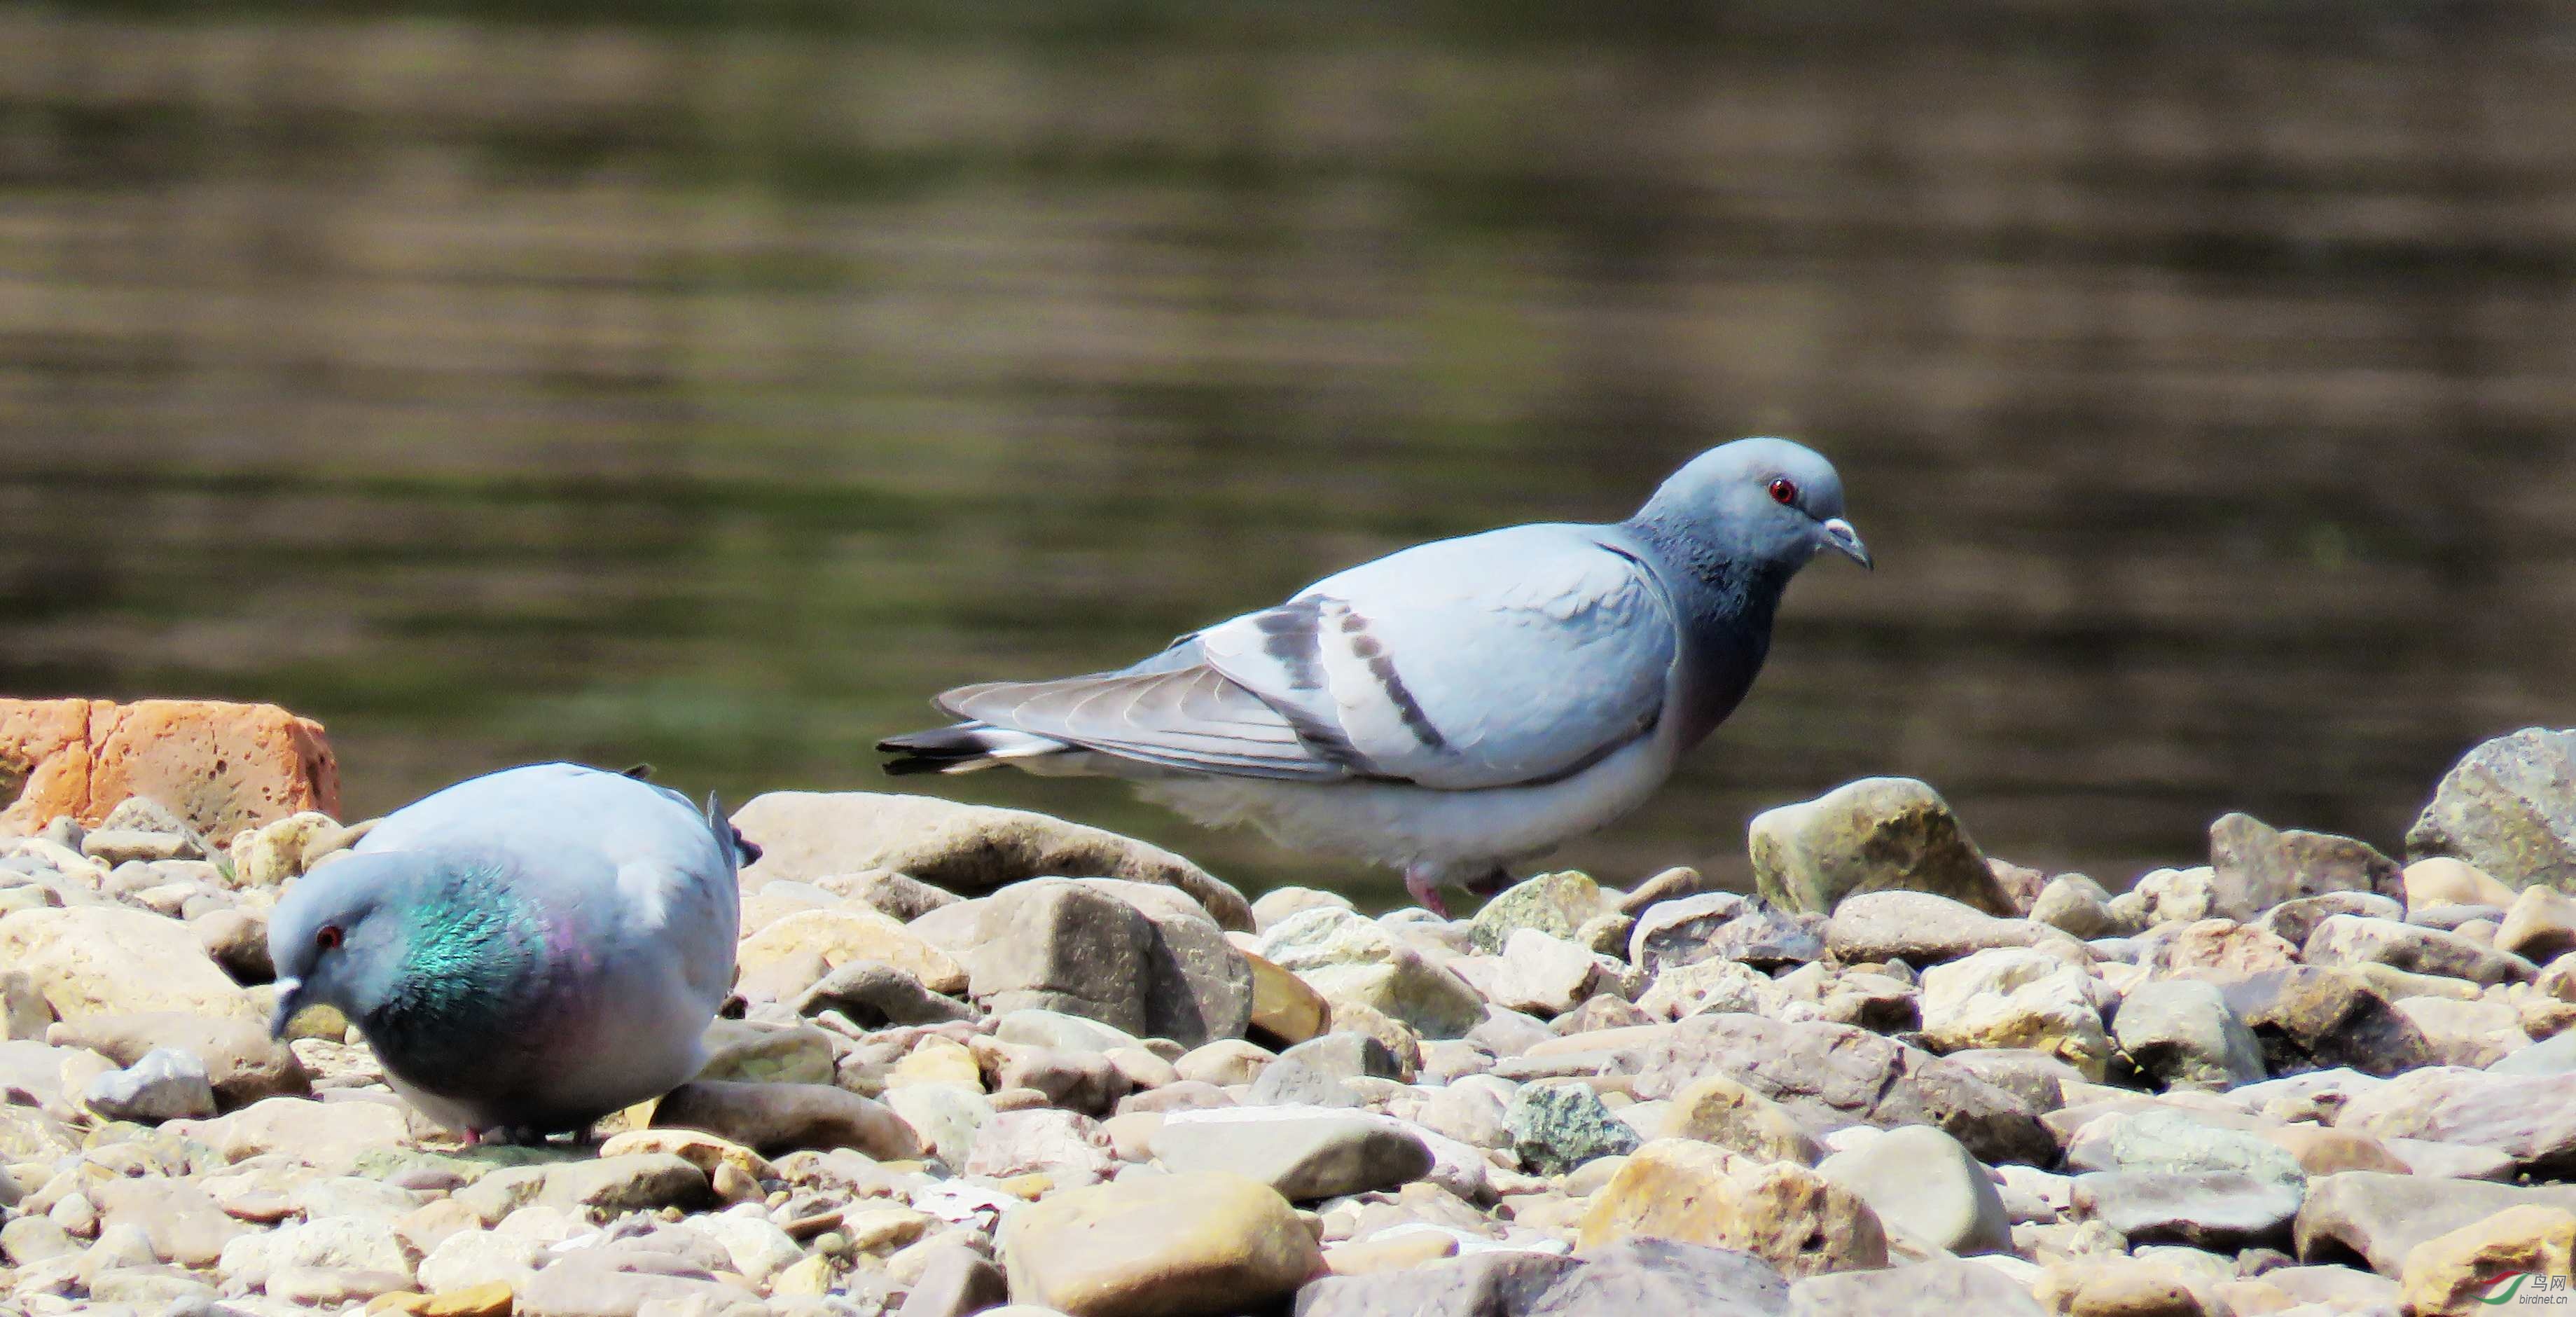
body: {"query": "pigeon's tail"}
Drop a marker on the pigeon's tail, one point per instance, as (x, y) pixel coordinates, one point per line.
(744, 850)
(963, 748)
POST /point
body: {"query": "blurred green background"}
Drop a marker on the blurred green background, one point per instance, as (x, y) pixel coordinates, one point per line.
(710, 383)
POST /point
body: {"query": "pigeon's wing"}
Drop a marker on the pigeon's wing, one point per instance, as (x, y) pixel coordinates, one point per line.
(1513, 657)
(595, 838)
(1516, 656)
(1172, 711)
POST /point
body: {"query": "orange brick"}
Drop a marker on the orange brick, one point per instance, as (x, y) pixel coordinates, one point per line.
(223, 767)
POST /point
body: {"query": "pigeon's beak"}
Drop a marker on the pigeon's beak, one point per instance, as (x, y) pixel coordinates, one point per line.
(1839, 533)
(290, 999)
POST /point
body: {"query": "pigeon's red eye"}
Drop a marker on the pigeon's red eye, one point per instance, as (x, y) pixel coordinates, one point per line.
(327, 937)
(1784, 491)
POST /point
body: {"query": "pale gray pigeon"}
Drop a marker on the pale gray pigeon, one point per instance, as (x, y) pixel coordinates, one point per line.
(1455, 706)
(526, 951)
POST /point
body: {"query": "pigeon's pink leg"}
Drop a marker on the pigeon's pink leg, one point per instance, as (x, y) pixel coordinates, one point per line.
(1423, 883)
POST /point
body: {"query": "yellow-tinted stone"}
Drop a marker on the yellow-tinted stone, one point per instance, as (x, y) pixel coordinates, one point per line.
(1716, 1109)
(937, 1060)
(2119, 1287)
(2442, 880)
(810, 1278)
(113, 960)
(1699, 1193)
(1283, 1007)
(852, 934)
(698, 1148)
(492, 1298)
(1207, 1241)
(885, 1228)
(1391, 1253)
(2450, 1273)
(2323, 1151)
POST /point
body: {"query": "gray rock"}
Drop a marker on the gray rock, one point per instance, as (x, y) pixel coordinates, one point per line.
(775, 1118)
(2077, 906)
(2508, 807)
(238, 940)
(2205, 1209)
(1348, 1055)
(2256, 867)
(1302, 1153)
(2037, 1079)
(242, 1063)
(2555, 1055)
(895, 895)
(1127, 955)
(119, 846)
(2336, 1289)
(1918, 928)
(1556, 904)
(961, 848)
(2530, 1118)
(1087, 1082)
(1670, 885)
(1067, 1033)
(1834, 1074)
(606, 1282)
(956, 1282)
(2312, 1018)
(1724, 926)
(636, 1182)
(28, 1240)
(1544, 975)
(165, 1084)
(1286, 1083)
(2293, 921)
(1923, 1182)
(2380, 1218)
(874, 995)
(1557, 1127)
(2540, 926)
(1637, 1275)
(1280, 902)
(1876, 834)
(2448, 918)
(2161, 1139)
(183, 1222)
(1949, 1287)
(2180, 1031)
(2473, 1032)
(1064, 1144)
(2353, 940)
(1349, 960)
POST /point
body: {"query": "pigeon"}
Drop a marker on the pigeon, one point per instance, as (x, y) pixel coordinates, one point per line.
(1454, 707)
(526, 951)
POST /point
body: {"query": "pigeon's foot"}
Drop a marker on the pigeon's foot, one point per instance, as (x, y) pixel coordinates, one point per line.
(509, 1136)
(1422, 883)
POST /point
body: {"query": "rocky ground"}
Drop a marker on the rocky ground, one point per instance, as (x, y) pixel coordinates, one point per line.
(1902, 1078)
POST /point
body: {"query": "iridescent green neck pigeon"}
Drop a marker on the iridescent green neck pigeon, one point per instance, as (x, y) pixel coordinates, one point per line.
(1455, 706)
(525, 951)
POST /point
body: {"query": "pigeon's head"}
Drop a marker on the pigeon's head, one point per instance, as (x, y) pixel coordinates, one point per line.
(1767, 499)
(342, 933)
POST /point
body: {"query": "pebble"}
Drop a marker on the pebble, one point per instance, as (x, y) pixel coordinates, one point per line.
(1189, 1242)
(1925, 1184)
(1874, 1087)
